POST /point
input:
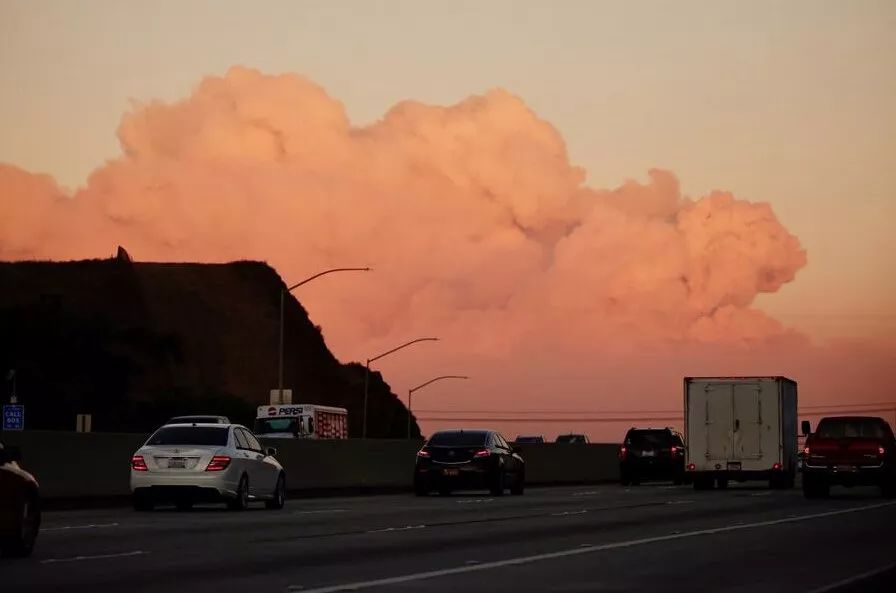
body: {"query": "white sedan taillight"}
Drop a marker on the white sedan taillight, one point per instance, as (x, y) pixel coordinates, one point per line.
(218, 463)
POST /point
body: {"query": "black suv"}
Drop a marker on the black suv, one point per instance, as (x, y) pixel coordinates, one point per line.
(651, 453)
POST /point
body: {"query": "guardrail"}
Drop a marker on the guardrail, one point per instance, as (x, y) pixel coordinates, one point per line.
(71, 465)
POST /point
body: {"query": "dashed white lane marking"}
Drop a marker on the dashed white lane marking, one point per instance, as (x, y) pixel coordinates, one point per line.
(766, 493)
(70, 527)
(320, 512)
(679, 502)
(854, 579)
(565, 513)
(589, 493)
(578, 551)
(97, 557)
(474, 500)
(405, 528)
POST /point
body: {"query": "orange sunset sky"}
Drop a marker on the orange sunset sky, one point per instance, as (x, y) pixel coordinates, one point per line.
(583, 202)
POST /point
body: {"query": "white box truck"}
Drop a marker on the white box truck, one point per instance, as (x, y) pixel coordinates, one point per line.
(740, 428)
(301, 421)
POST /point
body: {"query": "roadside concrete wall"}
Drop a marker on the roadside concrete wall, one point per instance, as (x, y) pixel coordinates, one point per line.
(78, 465)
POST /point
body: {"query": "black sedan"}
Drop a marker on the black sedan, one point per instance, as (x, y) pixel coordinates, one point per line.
(469, 460)
(19, 505)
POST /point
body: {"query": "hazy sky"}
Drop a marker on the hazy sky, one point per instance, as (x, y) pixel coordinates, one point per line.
(792, 102)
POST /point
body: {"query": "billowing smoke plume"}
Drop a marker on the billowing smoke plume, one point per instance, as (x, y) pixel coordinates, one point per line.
(479, 229)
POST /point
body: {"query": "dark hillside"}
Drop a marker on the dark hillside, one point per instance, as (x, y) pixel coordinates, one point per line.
(134, 343)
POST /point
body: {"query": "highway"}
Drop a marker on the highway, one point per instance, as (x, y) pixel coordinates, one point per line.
(565, 539)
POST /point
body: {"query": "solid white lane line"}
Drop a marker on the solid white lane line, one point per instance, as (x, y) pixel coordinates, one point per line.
(854, 579)
(578, 551)
(97, 557)
(69, 527)
(322, 511)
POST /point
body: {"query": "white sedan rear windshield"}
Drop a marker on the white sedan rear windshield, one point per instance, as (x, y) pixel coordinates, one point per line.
(189, 435)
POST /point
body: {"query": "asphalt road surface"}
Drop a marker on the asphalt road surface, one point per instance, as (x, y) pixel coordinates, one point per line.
(585, 539)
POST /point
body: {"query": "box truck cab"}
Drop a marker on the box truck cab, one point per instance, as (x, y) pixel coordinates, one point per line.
(740, 428)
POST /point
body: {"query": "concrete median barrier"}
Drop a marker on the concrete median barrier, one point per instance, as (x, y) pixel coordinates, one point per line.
(73, 465)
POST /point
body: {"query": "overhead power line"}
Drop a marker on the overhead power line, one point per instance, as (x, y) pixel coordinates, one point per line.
(869, 406)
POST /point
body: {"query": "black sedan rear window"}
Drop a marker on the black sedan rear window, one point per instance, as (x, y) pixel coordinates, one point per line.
(458, 439)
(189, 435)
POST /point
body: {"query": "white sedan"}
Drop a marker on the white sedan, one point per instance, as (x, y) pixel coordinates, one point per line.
(189, 463)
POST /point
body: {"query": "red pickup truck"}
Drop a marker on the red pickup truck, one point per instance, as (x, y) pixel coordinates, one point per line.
(849, 451)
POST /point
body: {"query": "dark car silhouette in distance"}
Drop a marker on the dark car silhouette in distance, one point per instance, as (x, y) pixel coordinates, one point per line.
(568, 439)
(529, 440)
(849, 451)
(19, 505)
(651, 454)
(469, 460)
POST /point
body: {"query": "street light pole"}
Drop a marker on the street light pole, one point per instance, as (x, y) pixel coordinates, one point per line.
(421, 386)
(283, 292)
(367, 374)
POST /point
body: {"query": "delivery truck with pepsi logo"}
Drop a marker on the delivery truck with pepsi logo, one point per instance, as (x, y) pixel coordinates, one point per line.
(301, 421)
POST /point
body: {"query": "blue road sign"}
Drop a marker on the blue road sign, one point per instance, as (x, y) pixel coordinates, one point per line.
(13, 417)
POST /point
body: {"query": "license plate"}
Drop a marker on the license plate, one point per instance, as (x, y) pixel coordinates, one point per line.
(648, 454)
(734, 466)
(177, 463)
(450, 472)
(846, 468)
